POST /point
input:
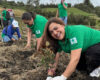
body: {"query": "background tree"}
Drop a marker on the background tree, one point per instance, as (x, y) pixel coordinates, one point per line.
(32, 5)
(87, 2)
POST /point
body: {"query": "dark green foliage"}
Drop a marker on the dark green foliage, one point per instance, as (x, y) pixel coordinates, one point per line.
(97, 11)
(92, 22)
(80, 19)
(47, 58)
(69, 5)
(12, 4)
(84, 7)
(48, 5)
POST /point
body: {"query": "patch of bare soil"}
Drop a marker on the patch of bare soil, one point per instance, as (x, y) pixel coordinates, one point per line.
(19, 64)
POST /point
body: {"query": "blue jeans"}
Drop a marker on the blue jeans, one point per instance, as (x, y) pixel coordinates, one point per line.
(7, 39)
(64, 19)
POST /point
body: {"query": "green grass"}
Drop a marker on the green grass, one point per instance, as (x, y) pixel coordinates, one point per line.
(70, 10)
(79, 12)
(49, 9)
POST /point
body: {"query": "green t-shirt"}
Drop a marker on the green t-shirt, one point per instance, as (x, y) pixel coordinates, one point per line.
(39, 25)
(2, 35)
(62, 11)
(4, 14)
(79, 36)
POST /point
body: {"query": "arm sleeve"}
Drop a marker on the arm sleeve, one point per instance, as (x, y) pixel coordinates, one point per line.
(66, 4)
(76, 40)
(40, 28)
(59, 50)
(9, 32)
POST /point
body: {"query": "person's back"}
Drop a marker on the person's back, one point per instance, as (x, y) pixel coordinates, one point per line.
(4, 15)
(38, 27)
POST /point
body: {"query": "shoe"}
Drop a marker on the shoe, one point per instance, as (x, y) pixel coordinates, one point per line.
(95, 73)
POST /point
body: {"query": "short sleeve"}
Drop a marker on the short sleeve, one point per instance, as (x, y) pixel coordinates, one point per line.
(66, 4)
(59, 50)
(76, 40)
(38, 33)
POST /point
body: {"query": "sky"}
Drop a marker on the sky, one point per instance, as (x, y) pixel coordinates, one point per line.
(94, 2)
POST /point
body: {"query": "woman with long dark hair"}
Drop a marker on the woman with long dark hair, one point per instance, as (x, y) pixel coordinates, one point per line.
(81, 42)
(36, 24)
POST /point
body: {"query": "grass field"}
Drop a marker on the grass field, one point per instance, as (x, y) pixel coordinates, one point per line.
(70, 10)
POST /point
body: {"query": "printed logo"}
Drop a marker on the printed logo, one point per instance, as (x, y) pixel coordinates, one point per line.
(38, 32)
(73, 40)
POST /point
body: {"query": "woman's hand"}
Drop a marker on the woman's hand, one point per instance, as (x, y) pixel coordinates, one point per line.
(13, 39)
(62, 77)
(27, 46)
(61, 1)
(19, 39)
(53, 68)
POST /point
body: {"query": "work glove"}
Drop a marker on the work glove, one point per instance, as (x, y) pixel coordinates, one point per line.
(62, 77)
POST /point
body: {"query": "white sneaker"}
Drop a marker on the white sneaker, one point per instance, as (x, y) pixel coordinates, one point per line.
(95, 73)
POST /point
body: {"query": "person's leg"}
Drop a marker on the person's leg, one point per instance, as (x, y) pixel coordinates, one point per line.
(82, 63)
(6, 39)
(15, 37)
(65, 20)
(5, 23)
(93, 59)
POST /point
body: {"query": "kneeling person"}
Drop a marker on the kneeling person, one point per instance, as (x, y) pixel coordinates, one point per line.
(8, 32)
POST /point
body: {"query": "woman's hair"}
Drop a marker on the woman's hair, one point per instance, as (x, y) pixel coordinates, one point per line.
(47, 36)
(28, 16)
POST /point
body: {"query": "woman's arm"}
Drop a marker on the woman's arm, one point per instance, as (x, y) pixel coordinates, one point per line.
(75, 57)
(38, 42)
(51, 71)
(57, 14)
(64, 5)
(56, 59)
(29, 32)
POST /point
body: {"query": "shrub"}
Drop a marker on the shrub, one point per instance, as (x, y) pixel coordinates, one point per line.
(92, 22)
(78, 19)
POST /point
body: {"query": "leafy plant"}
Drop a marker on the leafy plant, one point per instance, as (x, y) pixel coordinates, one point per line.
(47, 57)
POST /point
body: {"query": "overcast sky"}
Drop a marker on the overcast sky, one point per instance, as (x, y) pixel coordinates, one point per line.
(94, 2)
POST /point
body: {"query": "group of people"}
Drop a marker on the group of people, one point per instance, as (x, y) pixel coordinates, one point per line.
(81, 42)
(10, 25)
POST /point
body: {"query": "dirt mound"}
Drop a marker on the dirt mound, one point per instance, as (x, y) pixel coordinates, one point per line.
(19, 64)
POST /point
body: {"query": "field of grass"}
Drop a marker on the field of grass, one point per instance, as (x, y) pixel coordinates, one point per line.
(71, 10)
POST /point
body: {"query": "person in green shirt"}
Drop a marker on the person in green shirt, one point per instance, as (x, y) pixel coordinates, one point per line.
(35, 25)
(81, 42)
(4, 13)
(62, 12)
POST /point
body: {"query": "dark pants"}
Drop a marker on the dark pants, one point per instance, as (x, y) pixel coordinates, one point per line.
(5, 23)
(0, 23)
(90, 59)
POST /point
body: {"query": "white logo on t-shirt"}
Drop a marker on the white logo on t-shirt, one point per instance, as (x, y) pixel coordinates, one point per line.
(73, 40)
(38, 32)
